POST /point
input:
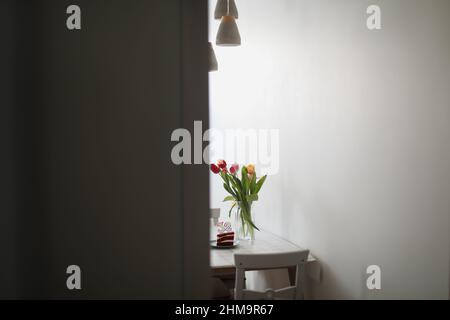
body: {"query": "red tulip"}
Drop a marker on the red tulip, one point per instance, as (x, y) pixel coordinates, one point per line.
(234, 168)
(222, 164)
(215, 169)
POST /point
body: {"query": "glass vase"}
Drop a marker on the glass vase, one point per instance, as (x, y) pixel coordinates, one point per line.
(243, 228)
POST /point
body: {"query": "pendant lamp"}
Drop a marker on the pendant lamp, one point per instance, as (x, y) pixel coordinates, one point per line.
(225, 8)
(228, 34)
(213, 65)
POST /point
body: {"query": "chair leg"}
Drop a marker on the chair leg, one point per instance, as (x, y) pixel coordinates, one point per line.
(292, 273)
(219, 290)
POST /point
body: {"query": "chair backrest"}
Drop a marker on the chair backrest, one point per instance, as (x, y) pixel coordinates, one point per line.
(267, 261)
(214, 215)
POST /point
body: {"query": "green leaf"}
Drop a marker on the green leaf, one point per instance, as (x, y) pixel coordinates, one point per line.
(229, 212)
(252, 197)
(237, 187)
(236, 183)
(252, 224)
(224, 177)
(253, 184)
(260, 183)
(229, 198)
(226, 187)
(245, 182)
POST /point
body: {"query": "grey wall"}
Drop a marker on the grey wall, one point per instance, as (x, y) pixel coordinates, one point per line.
(8, 241)
(98, 110)
(364, 123)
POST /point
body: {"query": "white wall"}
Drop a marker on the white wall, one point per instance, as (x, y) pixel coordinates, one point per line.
(364, 119)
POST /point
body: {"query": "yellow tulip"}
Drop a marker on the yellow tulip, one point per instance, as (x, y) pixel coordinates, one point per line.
(250, 169)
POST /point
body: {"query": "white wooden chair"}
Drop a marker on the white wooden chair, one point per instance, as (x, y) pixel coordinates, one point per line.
(214, 215)
(251, 262)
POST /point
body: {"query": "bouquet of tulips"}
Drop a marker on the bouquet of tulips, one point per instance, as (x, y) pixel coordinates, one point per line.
(243, 190)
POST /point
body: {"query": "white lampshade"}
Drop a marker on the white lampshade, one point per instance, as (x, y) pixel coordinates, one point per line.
(228, 34)
(225, 8)
(213, 65)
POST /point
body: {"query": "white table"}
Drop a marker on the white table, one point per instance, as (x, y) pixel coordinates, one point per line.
(222, 260)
